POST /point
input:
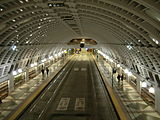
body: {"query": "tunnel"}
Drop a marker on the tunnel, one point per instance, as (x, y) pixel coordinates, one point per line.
(45, 41)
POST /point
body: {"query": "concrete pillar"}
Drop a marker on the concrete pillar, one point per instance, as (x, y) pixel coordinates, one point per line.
(157, 99)
(127, 77)
(26, 75)
(139, 85)
(36, 68)
(11, 83)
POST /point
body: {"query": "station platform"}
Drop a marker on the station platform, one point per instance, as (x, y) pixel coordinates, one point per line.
(129, 99)
(16, 101)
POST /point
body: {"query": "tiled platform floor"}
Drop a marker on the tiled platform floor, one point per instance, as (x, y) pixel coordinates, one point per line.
(136, 107)
(11, 102)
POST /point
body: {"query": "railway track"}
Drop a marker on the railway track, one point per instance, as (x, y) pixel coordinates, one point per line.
(76, 93)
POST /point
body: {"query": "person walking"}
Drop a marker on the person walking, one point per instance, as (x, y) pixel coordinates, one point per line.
(118, 77)
(122, 77)
(47, 71)
(42, 72)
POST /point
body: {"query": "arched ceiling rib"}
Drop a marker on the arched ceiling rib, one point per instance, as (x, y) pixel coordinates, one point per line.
(36, 28)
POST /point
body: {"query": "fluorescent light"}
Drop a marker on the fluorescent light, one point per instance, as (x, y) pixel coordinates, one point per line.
(126, 71)
(20, 70)
(14, 73)
(144, 84)
(151, 90)
(13, 47)
(118, 65)
(50, 57)
(32, 65)
(129, 73)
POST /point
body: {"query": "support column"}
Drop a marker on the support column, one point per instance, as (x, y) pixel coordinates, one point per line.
(127, 77)
(139, 84)
(157, 99)
(26, 75)
(11, 83)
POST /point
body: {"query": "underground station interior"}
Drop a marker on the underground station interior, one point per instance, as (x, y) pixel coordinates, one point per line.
(79, 59)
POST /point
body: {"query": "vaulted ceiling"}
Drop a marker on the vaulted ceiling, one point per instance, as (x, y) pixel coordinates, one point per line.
(130, 29)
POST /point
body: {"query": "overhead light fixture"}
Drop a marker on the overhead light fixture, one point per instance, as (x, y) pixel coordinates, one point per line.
(32, 65)
(19, 70)
(35, 64)
(154, 40)
(20, 1)
(13, 47)
(14, 73)
(151, 90)
(118, 65)
(21, 10)
(1, 9)
(129, 47)
(130, 73)
(144, 84)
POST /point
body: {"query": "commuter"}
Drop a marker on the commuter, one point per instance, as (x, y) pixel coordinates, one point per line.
(114, 70)
(42, 72)
(119, 77)
(47, 70)
(122, 77)
(0, 101)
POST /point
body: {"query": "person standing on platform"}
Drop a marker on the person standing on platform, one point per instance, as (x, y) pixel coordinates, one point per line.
(42, 72)
(47, 71)
(122, 77)
(119, 77)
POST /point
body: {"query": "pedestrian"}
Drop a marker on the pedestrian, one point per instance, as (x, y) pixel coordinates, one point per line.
(118, 77)
(122, 77)
(42, 72)
(47, 70)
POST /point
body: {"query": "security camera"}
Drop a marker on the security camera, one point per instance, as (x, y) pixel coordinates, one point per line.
(82, 45)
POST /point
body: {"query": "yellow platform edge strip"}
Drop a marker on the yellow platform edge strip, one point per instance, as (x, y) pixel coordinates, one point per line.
(118, 107)
(28, 100)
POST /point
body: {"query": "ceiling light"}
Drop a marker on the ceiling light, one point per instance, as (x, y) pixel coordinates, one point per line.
(14, 73)
(32, 65)
(20, 70)
(151, 90)
(13, 47)
(20, 1)
(30, 34)
(50, 4)
(139, 40)
(144, 84)
(118, 65)
(129, 47)
(27, 0)
(35, 64)
(126, 70)
(13, 20)
(21, 10)
(1, 9)
(129, 73)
